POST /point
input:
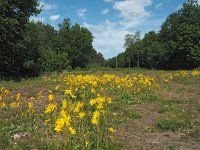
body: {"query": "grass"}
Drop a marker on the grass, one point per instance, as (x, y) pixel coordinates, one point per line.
(174, 107)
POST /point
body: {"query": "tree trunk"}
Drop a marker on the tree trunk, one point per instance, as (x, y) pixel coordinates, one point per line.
(138, 61)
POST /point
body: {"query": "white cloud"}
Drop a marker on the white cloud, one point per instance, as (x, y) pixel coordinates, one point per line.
(36, 19)
(105, 11)
(109, 39)
(45, 6)
(198, 2)
(159, 5)
(81, 13)
(54, 17)
(132, 10)
(109, 36)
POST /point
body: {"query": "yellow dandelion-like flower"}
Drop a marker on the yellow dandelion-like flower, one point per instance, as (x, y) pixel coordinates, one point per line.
(64, 104)
(18, 96)
(81, 115)
(109, 100)
(2, 105)
(111, 130)
(93, 90)
(59, 124)
(50, 108)
(92, 101)
(68, 92)
(79, 105)
(100, 105)
(72, 130)
(51, 97)
(30, 105)
(95, 117)
(73, 96)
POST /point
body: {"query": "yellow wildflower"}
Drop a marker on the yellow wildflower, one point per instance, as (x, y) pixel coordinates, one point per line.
(59, 124)
(30, 105)
(109, 100)
(111, 129)
(79, 105)
(50, 108)
(18, 96)
(68, 92)
(95, 117)
(51, 97)
(2, 105)
(72, 130)
(92, 101)
(81, 115)
(92, 90)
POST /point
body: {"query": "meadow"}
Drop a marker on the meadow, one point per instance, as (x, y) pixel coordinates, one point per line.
(110, 109)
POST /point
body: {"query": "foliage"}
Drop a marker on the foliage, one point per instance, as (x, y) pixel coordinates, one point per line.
(175, 46)
(31, 48)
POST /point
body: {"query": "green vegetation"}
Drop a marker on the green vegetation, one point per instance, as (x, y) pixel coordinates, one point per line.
(32, 48)
(175, 46)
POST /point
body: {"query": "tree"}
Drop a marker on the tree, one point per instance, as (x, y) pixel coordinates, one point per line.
(81, 46)
(180, 34)
(133, 48)
(154, 52)
(14, 15)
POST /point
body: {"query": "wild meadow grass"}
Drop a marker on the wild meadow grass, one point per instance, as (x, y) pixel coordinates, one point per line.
(84, 110)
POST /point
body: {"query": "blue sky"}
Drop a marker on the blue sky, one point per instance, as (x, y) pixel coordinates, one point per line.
(109, 20)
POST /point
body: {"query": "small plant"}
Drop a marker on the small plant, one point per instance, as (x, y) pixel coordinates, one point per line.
(148, 96)
(132, 114)
(169, 125)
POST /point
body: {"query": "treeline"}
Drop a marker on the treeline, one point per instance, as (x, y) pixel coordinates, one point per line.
(175, 46)
(29, 48)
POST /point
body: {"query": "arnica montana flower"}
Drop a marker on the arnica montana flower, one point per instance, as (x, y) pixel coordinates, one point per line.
(51, 97)
(95, 118)
(50, 108)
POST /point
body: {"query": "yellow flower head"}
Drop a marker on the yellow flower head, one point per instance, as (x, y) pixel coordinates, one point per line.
(51, 97)
(95, 117)
(92, 101)
(111, 129)
(79, 105)
(50, 108)
(2, 105)
(72, 130)
(81, 115)
(68, 92)
(30, 105)
(18, 96)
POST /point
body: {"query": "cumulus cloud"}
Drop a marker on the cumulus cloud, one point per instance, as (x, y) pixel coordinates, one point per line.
(54, 17)
(198, 2)
(109, 36)
(45, 6)
(109, 39)
(131, 10)
(37, 19)
(81, 13)
(105, 11)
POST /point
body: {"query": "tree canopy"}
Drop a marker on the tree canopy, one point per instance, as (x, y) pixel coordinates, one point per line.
(175, 46)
